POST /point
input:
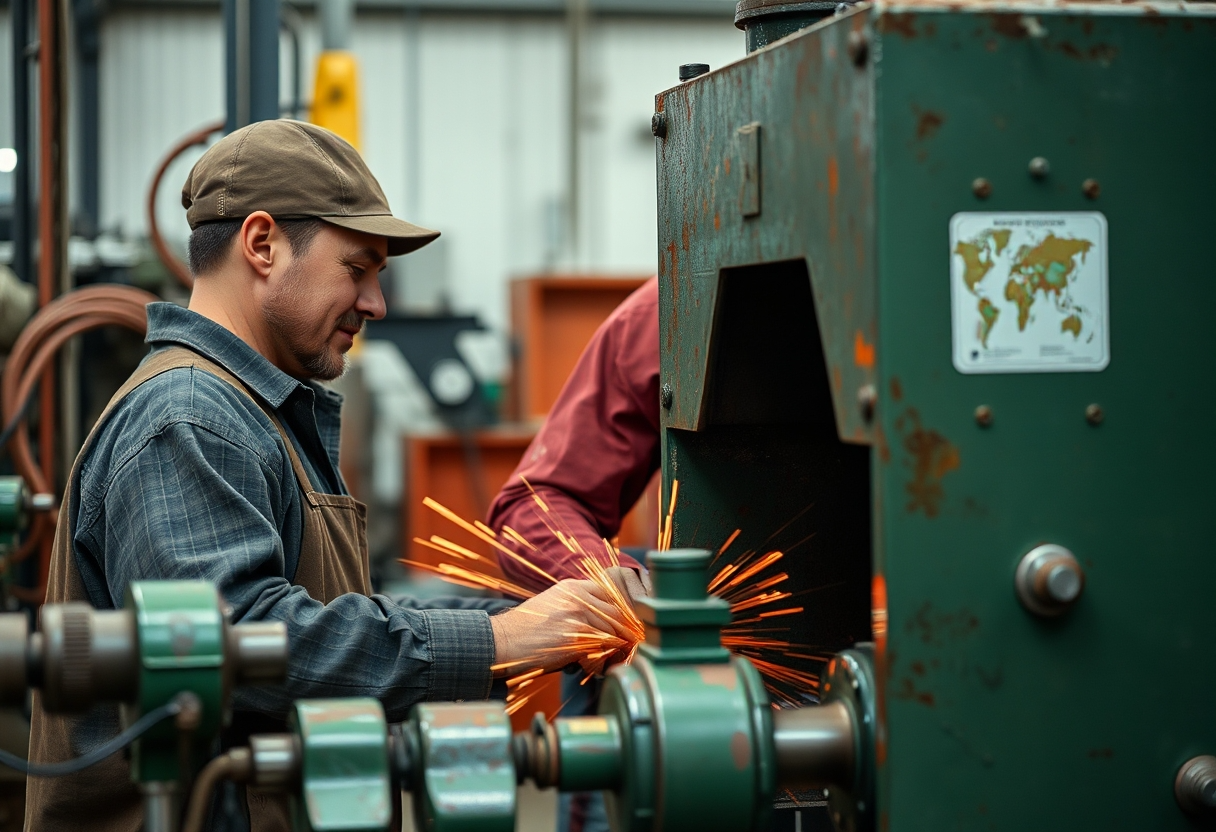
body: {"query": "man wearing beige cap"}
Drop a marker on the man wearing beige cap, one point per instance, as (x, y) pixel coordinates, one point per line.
(218, 460)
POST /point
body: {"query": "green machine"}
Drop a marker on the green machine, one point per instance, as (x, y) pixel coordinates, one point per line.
(685, 741)
(928, 280)
(170, 658)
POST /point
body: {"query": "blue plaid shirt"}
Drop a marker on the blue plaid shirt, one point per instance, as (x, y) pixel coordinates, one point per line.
(188, 479)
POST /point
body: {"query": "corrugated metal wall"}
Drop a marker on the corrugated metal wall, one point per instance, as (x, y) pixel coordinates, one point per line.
(464, 124)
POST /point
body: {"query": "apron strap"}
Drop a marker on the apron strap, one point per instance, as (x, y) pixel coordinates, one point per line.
(177, 357)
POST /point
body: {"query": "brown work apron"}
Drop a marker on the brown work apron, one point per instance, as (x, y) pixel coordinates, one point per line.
(333, 562)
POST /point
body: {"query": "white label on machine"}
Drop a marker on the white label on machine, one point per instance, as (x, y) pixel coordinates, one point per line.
(1029, 292)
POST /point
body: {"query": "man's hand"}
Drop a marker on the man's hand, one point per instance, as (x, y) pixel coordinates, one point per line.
(632, 584)
(554, 629)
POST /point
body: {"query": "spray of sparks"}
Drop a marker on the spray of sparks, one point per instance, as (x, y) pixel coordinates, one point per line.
(750, 582)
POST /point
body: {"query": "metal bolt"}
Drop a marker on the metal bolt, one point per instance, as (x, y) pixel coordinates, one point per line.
(867, 398)
(1039, 167)
(982, 188)
(42, 502)
(1091, 188)
(667, 396)
(658, 125)
(1049, 580)
(1063, 584)
(983, 415)
(690, 71)
(1094, 414)
(1195, 786)
(858, 47)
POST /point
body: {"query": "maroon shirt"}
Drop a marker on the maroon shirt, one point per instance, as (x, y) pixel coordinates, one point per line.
(597, 450)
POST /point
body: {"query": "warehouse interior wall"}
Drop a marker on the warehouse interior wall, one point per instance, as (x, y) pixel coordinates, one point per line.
(464, 124)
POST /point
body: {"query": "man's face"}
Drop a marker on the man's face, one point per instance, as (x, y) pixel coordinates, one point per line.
(317, 304)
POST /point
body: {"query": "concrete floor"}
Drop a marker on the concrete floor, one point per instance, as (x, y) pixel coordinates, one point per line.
(537, 810)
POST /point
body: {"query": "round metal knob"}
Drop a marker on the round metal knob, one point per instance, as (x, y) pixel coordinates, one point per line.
(1195, 786)
(1049, 580)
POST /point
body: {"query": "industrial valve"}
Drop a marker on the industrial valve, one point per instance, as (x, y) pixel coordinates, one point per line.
(170, 652)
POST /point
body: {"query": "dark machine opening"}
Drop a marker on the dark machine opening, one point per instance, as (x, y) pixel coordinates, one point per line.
(769, 460)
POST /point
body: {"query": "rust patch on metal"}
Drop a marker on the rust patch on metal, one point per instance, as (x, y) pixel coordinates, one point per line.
(726, 166)
(684, 236)
(719, 675)
(928, 123)
(930, 456)
(1009, 25)
(907, 690)
(863, 352)
(448, 717)
(934, 627)
(740, 750)
(675, 260)
(717, 221)
(1103, 53)
(833, 177)
(880, 442)
(902, 23)
(897, 389)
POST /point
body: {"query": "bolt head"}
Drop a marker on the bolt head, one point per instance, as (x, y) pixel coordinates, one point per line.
(983, 415)
(867, 399)
(1063, 584)
(690, 71)
(1091, 188)
(982, 188)
(658, 125)
(858, 47)
(1039, 167)
(1094, 414)
(42, 502)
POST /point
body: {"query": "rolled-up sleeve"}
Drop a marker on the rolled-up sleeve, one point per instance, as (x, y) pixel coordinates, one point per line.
(195, 502)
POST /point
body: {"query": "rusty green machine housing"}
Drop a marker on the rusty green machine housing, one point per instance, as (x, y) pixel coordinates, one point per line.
(812, 395)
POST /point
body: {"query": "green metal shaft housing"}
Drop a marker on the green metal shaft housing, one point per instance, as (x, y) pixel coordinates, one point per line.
(344, 775)
(683, 739)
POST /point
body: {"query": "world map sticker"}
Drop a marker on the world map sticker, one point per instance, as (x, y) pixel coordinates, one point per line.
(1029, 292)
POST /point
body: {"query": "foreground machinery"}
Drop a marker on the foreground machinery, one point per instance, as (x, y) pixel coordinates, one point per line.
(925, 290)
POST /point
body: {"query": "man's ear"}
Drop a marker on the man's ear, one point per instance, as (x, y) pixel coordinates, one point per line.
(259, 242)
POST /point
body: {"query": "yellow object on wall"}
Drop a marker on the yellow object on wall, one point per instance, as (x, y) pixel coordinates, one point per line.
(335, 97)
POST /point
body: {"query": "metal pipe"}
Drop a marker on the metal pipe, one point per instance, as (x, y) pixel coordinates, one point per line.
(19, 21)
(337, 17)
(815, 746)
(160, 806)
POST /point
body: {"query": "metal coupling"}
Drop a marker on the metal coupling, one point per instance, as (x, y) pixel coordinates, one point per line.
(1195, 787)
(274, 761)
(258, 652)
(1049, 580)
(84, 656)
(537, 754)
(14, 659)
(815, 746)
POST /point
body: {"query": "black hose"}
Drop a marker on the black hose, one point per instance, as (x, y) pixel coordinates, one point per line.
(17, 419)
(140, 727)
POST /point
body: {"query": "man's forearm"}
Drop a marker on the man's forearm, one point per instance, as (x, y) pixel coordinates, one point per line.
(567, 515)
(360, 646)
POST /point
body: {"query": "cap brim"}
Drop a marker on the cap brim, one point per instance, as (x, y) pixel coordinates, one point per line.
(403, 237)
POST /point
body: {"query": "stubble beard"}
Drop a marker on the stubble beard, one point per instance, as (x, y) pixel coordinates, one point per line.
(294, 332)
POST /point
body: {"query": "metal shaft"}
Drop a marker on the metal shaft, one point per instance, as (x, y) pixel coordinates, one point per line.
(815, 746)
